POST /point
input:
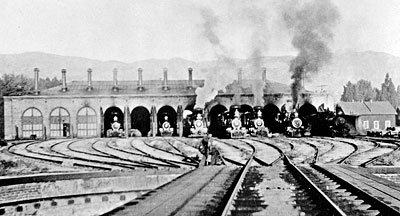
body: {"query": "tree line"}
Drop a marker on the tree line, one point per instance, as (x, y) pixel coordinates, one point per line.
(363, 91)
(14, 85)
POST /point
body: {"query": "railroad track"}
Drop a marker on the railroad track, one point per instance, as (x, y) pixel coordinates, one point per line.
(268, 183)
(179, 154)
(341, 151)
(131, 152)
(287, 187)
(347, 196)
(324, 194)
(233, 154)
(367, 157)
(94, 154)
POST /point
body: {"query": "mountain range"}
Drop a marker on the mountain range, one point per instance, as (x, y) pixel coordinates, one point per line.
(343, 67)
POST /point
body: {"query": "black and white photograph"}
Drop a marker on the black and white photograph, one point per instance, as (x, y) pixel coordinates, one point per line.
(199, 108)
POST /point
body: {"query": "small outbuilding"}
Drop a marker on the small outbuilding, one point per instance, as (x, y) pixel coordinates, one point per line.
(364, 116)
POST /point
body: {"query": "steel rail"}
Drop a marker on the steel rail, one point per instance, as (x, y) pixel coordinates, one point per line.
(238, 185)
(316, 190)
(365, 164)
(351, 154)
(260, 161)
(167, 162)
(383, 207)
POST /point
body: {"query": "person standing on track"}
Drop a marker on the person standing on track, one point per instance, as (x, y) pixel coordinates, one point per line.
(215, 156)
(204, 149)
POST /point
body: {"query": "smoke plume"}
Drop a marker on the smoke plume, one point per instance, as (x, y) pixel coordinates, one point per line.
(311, 24)
(220, 76)
(259, 41)
(253, 19)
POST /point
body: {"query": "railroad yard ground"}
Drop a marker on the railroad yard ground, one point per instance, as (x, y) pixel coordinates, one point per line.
(148, 176)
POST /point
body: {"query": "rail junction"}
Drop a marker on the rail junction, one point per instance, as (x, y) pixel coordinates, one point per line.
(162, 176)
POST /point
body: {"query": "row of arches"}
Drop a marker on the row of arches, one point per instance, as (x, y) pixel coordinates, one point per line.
(140, 118)
(59, 123)
(87, 121)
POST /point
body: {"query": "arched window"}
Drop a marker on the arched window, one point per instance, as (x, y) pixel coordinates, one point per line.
(59, 123)
(32, 123)
(87, 124)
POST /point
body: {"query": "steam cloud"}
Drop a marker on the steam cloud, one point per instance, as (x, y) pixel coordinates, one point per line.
(219, 78)
(311, 24)
(259, 39)
(225, 70)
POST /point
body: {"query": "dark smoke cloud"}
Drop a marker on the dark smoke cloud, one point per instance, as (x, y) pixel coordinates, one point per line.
(311, 24)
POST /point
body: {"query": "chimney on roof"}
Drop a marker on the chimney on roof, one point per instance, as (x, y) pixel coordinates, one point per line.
(64, 80)
(240, 75)
(264, 74)
(115, 82)
(190, 85)
(140, 79)
(165, 83)
(89, 81)
(36, 90)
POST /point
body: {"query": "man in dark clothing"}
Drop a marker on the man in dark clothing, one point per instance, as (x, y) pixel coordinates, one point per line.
(204, 149)
(215, 157)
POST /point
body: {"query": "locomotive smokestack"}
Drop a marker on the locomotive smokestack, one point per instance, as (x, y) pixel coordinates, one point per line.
(140, 79)
(64, 80)
(264, 74)
(89, 82)
(165, 84)
(115, 82)
(240, 75)
(190, 85)
(36, 80)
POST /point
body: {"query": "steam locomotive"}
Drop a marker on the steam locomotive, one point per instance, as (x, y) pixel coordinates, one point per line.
(257, 126)
(329, 123)
(115, 130)
(234, 125)
(294, 125)
(238, 124)
(166, 128)
(194, 125)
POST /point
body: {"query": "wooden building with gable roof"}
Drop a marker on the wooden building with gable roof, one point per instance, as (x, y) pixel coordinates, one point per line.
(364, 116)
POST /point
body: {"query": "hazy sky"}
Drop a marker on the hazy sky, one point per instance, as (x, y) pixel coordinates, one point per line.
(130, 30)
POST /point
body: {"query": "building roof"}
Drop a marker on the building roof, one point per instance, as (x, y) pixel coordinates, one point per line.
(367, 108)
(155, 87)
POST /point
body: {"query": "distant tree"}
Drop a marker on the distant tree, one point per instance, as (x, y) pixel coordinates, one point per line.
(377, 93)
(388, 92)
(11, 84)
(364, 91)
(398, 95)
(361, 91)
(348, 92)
